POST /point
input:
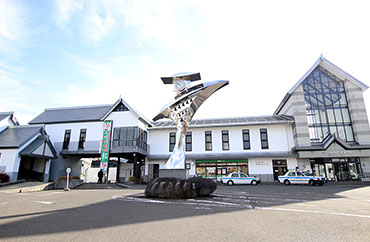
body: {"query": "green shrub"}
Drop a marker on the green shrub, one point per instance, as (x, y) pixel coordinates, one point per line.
(134, 179)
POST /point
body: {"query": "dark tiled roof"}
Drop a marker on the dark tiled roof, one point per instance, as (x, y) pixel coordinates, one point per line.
(41, 140)
(72, 114)
(270, 119)
(17, 136)
(4, 115)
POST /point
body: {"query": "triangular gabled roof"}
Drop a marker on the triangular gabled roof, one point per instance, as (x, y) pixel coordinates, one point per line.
(136, 113)
(41, 147)
(82, 114)
(335, 70)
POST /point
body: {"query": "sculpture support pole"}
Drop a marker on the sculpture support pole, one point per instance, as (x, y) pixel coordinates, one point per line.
(177, 158)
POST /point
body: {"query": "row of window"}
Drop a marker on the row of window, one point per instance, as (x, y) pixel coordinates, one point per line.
(122, 136)
(81, 140)
(224, 139)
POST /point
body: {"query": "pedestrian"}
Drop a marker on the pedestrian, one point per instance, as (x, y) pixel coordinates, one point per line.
(100, 176)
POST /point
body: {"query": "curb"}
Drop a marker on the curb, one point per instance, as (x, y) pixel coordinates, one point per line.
(11, 183)
(122, 185)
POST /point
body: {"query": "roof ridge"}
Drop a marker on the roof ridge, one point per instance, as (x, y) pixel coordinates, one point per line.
(260, 116)
(78, 107)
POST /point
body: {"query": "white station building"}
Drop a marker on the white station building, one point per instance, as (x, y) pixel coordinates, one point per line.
(321, 125)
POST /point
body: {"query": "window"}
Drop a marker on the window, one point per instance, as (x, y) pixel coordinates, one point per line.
(125, 136)
(326, 106)
(235, 175)
(208, 139)
(188, 139)
(225, 140)
(264, 139)
(246, 139)
(67, 137)
(81, 141)
(120, 108)
(172, 140)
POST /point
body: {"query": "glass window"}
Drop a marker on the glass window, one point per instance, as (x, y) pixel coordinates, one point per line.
(120, 108)
(172, 141)
(326, 104)
(188, 141)
(235, 175)
(264, 139)
(81, 141)
(67, 137)
(243, 175)
(208, 140)
(246, 139)
(225, 140)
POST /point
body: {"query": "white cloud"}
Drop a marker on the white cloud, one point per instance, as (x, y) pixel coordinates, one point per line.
(12, 31)
(65, 8)
(97, 27)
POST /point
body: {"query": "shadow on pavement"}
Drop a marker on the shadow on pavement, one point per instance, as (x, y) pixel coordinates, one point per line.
(127, 210)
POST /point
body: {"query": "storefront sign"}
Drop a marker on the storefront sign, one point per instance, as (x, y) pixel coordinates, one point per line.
(262, 163)
(105, 145)
(220, 161)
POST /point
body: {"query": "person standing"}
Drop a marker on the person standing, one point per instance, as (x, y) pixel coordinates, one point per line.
(100, 176)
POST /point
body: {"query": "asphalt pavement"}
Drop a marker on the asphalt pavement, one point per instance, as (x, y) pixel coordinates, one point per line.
(238, 213)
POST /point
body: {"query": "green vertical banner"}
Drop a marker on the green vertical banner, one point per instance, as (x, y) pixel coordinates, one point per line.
(107, 129)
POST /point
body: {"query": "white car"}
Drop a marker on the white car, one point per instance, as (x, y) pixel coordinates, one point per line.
(297, 177)
(240, 178)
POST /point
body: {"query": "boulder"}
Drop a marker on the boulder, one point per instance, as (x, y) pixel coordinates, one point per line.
(170, 187)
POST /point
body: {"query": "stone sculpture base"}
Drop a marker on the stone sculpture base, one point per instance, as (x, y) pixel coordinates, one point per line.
(169, 187)
(176, 173)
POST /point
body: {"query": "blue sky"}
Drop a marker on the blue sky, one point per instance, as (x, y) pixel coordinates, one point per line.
(73, 53)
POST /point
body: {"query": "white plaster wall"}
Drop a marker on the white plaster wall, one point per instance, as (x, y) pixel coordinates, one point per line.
(192, 170)
(39, 165)
(8, 159)
(260, 166)
(123, 119)
(56, 131)
(280, 138)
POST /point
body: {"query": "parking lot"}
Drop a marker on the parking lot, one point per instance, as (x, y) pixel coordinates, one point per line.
(241, 213)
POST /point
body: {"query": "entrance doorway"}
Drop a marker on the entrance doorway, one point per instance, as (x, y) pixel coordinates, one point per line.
(337, 169)
(32, 168)
(155, 171)
(280, 168)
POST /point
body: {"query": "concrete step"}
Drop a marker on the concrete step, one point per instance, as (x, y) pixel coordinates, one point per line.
(101, 186)
(27, 187)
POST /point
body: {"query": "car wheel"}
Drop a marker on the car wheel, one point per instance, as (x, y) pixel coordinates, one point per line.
(287, 182)
(311, 183)
(230, 183)
(254, 182)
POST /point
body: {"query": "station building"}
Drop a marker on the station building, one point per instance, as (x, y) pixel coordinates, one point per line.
(321, 125)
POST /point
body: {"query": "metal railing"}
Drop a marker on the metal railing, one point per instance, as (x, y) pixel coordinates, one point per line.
(117, 146)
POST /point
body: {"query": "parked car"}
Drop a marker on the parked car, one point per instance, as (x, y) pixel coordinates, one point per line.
(297, 177)
(240, 178)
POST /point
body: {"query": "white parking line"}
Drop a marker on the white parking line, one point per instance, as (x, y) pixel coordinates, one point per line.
(44, 202)
(49, 194)
(312, 211)
(3, 203)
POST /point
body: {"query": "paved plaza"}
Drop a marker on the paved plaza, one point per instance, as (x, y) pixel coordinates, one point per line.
(238, 213)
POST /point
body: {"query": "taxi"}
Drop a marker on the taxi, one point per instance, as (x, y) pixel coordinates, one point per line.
(297, 177)
(239, 178)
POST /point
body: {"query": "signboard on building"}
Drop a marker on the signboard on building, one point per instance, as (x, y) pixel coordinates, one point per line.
(107, 129)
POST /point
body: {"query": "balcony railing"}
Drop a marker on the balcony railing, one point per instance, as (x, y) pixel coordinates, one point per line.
(93, 147)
